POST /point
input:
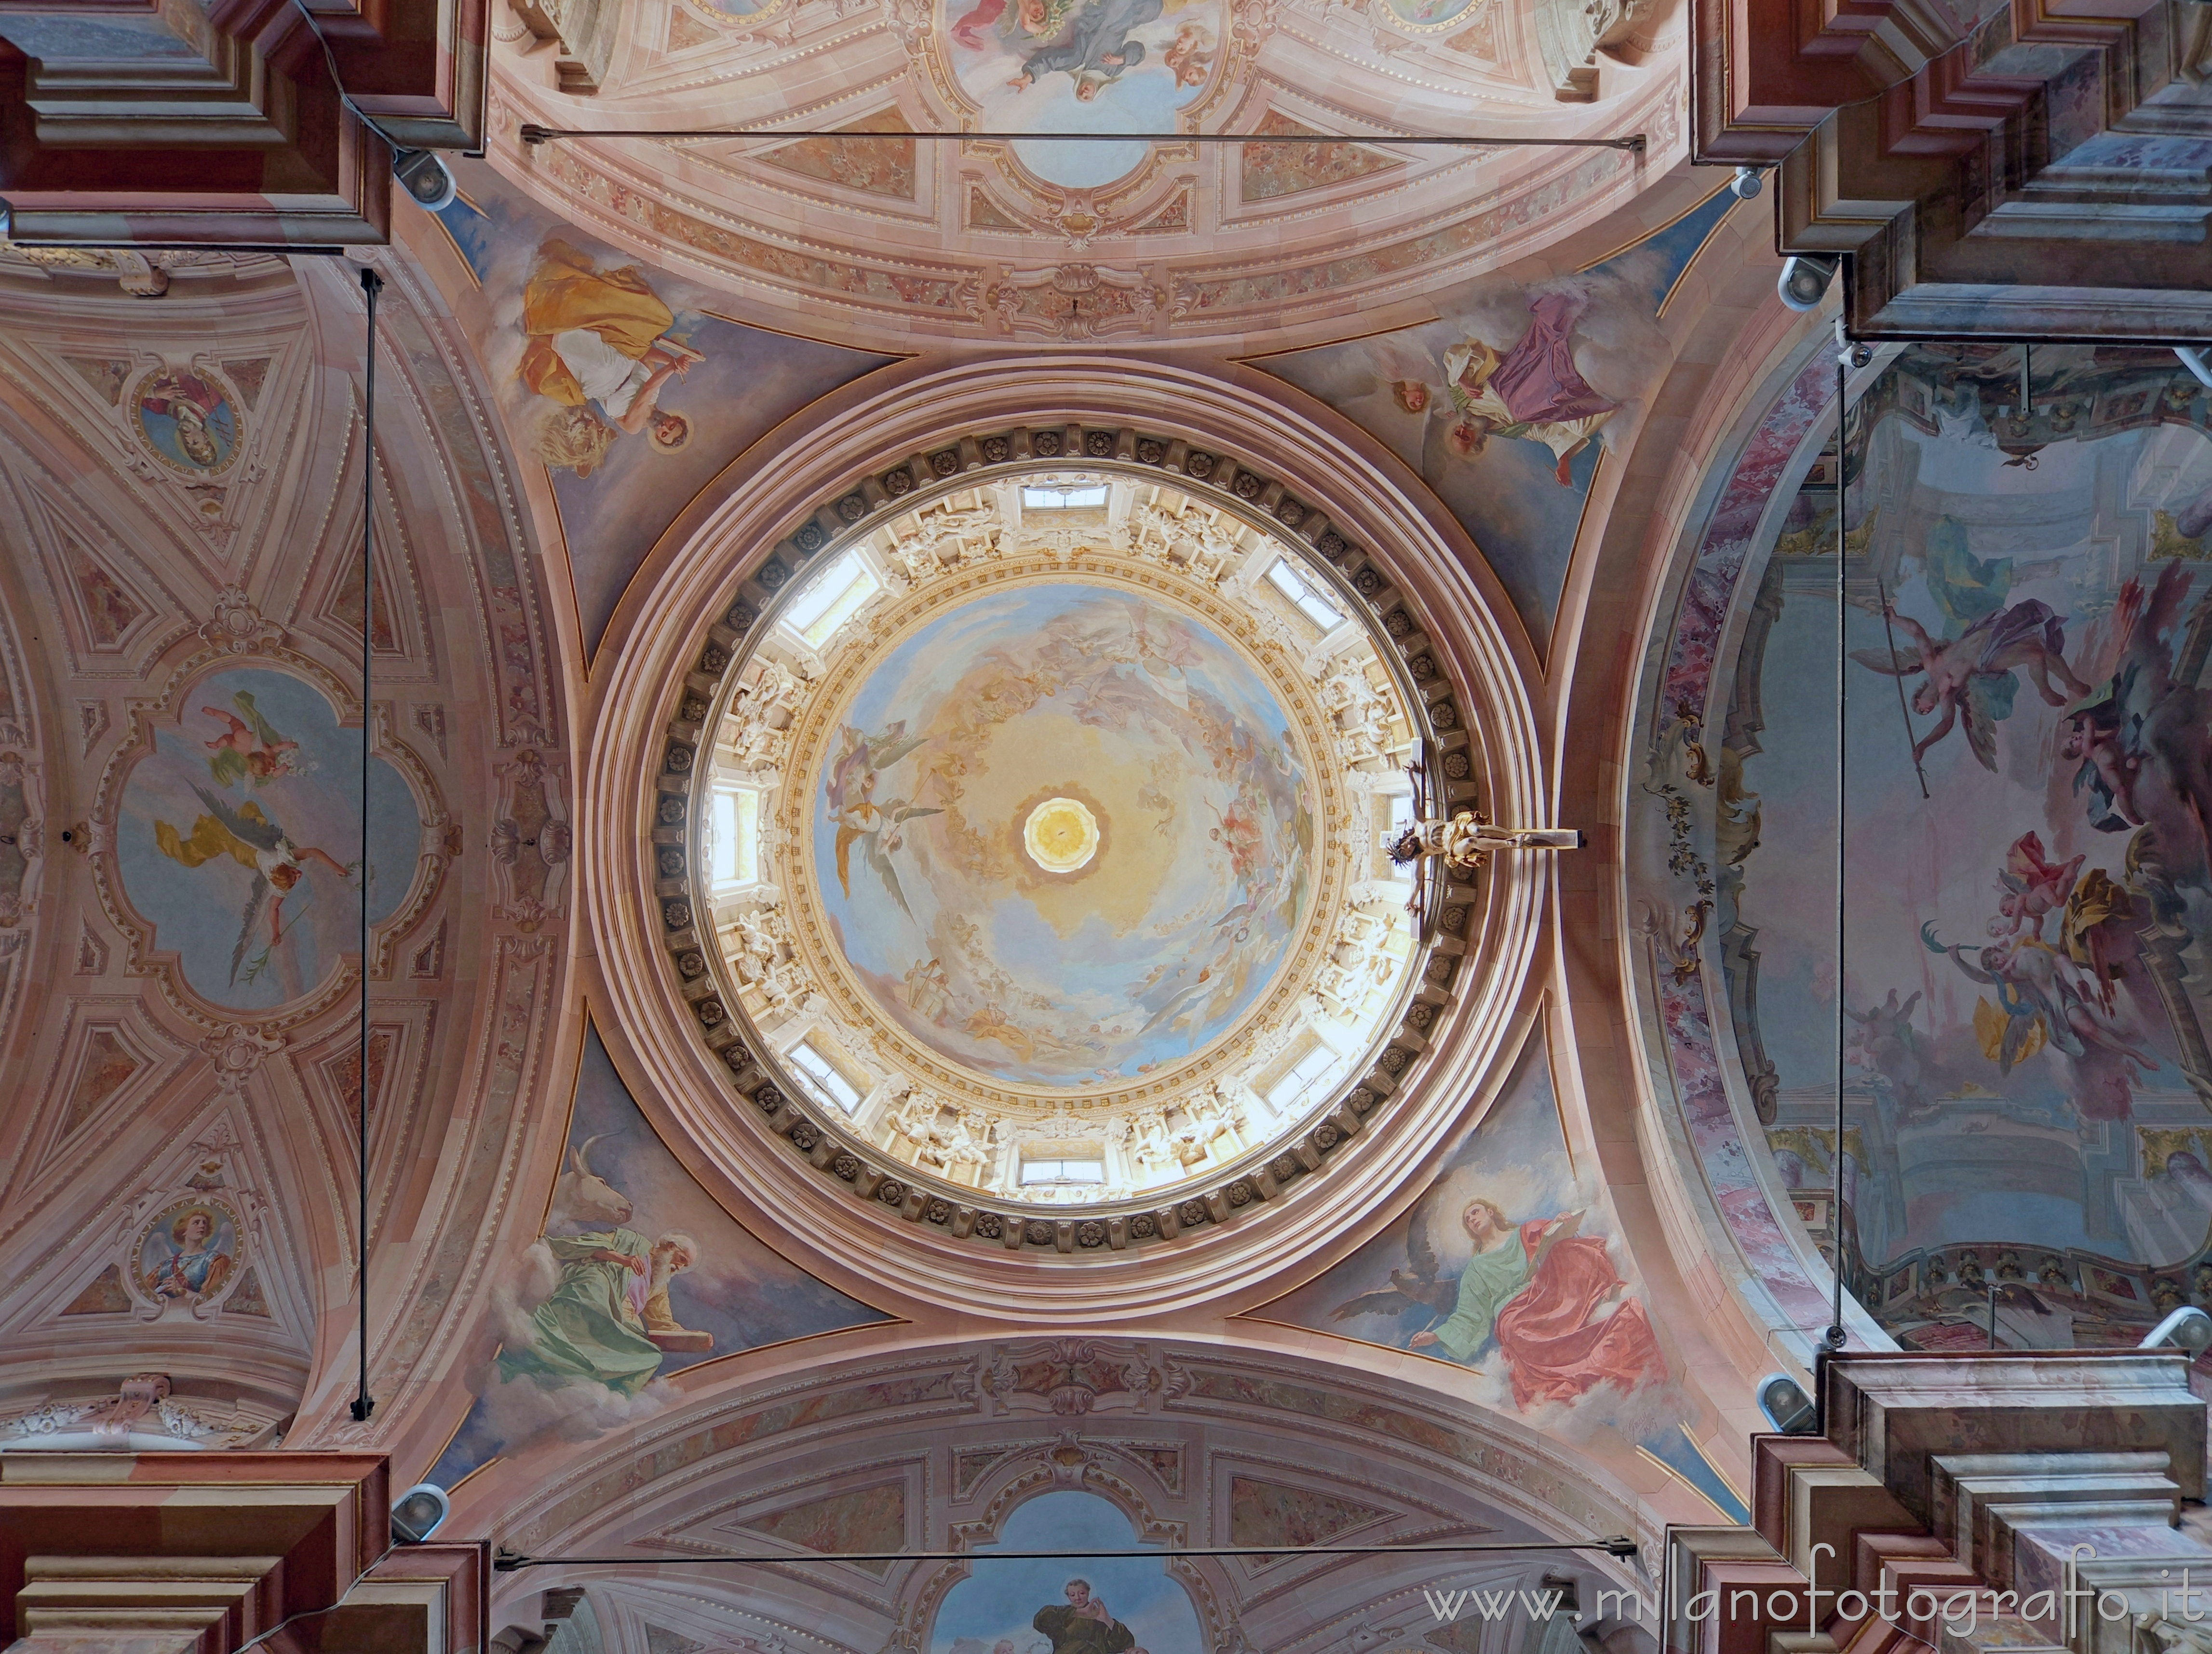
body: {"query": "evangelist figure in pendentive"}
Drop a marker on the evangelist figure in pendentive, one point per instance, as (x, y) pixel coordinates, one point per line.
(1540, 1290)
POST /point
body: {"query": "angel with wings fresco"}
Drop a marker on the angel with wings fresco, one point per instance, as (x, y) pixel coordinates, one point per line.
(878, 829)
(1969, 677)
(1539, 1289)
(247, 835)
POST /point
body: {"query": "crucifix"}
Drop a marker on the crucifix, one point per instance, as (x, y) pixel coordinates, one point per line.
(1466, 839)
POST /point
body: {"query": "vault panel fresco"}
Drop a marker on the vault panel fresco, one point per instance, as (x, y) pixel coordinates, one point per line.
(2028, 615)
(240, 839)
(1098, 66)
(1113, 1603)
(1084, 229)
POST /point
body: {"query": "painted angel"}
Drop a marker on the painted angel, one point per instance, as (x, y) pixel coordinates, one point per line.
(249, 748)
(249, 837)
(2042, 993)
(2032, 886)
(878, 829)
(1969, 677)
(2145, 759)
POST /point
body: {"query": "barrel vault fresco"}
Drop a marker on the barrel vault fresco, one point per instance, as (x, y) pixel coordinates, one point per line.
(2024, 620)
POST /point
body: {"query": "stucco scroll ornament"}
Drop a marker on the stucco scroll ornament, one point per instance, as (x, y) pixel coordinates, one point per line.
(237, 627)
(1072, 1378)
(237, 1049)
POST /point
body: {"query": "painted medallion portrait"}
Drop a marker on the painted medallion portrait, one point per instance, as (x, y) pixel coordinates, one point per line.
(190, 420)
(188, 1254)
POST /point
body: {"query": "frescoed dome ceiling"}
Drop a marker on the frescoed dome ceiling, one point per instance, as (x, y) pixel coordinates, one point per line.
(880, 231)
(1081, 851)
(1043, 833)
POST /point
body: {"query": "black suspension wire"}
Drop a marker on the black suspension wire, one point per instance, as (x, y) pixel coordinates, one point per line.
(1619, 1545)
(371, 285)
(1834, 1338)
(532, 133)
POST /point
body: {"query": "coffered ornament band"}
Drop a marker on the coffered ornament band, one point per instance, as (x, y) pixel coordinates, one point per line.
(1067, 661)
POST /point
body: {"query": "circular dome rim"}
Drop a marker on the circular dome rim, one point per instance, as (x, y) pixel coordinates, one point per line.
(899, 412)
(1403, 991)
(912, 617)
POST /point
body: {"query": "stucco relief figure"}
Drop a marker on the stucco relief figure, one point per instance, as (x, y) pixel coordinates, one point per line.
(600, 347)
(1542, 1292)
(189, 1258)
(1084, 1625)
(1533, 391)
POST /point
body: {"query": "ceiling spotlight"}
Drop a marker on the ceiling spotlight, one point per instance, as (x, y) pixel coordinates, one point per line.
(1804, 279)
(2187, 1328)
(2193, 356)
(424, 177)
(1786, 1405)
(417, 1513)
(1747, 183)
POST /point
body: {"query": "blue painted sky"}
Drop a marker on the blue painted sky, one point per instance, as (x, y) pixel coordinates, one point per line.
(1000, 1600)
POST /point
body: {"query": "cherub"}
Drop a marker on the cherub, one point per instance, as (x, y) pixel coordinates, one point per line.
(2032, 886)
(1189, 55)
(1969, 677)
(249, 749)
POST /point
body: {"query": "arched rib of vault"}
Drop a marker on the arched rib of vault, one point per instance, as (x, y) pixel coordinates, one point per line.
(1628, 587)
(470, 685)
(692, 576)
(957, 1436)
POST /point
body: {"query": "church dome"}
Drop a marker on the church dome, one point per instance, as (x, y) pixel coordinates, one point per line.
(1042, 822)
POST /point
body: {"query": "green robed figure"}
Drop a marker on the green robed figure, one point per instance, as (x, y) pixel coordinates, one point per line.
(593, 1326)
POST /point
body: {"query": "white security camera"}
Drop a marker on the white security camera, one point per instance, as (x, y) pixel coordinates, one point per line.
(1786, 1405)
(1804, 279)
(424, 177)
(418, 1512)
